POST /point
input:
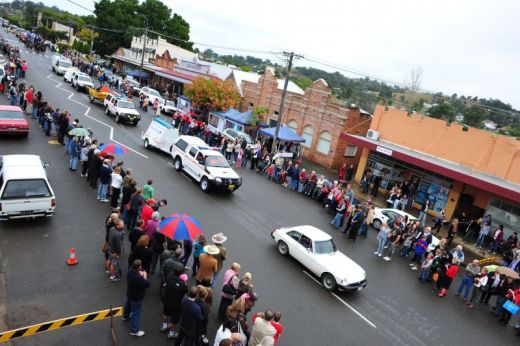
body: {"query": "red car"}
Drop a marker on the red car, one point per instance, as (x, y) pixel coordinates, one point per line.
(12, 121)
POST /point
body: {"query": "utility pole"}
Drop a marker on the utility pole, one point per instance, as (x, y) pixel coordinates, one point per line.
(291, 56)
(142, 56)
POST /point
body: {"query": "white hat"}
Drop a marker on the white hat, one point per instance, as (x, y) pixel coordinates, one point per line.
(219, 238)
(211, 249)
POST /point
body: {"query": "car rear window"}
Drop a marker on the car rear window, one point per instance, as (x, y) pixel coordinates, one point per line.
(26, 188)
(11, 115)
(181, 144)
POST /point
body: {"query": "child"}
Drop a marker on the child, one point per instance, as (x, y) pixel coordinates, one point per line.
(424, 274)
(420, 248)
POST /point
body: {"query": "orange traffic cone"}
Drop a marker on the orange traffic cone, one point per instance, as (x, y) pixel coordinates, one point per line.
(72, 257)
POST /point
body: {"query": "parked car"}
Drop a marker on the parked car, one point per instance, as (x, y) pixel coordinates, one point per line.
(234, 134)
(69, 74)
(81, 82)
(121, 108)
(168, 107)
(152, 95)
(12, 121)
(206, 166)
(60, 64)
(25, 191)
(316, 251)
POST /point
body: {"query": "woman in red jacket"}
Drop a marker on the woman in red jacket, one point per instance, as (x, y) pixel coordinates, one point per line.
(449, 275)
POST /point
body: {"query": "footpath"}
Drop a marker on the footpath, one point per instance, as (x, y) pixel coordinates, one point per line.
(470, 250)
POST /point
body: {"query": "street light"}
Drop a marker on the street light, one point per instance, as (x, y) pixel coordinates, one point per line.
(144, 43)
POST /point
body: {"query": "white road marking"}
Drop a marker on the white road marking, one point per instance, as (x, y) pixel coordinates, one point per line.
(343, 302)
(111, 137)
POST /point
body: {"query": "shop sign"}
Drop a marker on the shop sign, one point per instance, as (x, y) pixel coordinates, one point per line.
(384, 150)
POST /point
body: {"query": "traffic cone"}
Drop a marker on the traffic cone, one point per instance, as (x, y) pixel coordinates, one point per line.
(72, 257)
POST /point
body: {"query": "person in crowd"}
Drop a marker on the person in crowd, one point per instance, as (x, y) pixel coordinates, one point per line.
(498, 237)
(382, 238)
(262, 328)
(142, 251)
(424, 273)
(340, 212)
(116, 182)
(204, 302)
(208, 265)
(479, 284)
(174, 290)
(302, 180)
(148, 191)
(158, 241)
(75, 154)
(472, 271)
(191, 317)
(224, 332)
(137, 283)
(394, 239)
(452, 231)
(502, 292)
(218, 240)
(105, 175)
(84, 157)
(421, 246)
(424, 211)
(439, 221)
(169, 264)
(134, 208)
(127, 191)
(484, 231)
(448, 276)
(357, 220)
(198, 249)
(229, 289)
(458, 254)
(94, 168)
(115, 246)
(135, 234)
(147, 212)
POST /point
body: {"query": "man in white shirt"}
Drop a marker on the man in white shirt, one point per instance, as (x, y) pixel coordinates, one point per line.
(262, 328)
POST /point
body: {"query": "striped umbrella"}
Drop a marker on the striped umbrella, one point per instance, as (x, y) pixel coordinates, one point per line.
(114, 149)
(180, 227)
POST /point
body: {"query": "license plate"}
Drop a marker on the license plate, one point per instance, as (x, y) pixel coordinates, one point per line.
(27, 212)
(360, 288)
(231, 187)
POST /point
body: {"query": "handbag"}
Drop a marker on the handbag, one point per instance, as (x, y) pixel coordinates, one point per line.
(511, 307)
(229, 288)
(243, 335)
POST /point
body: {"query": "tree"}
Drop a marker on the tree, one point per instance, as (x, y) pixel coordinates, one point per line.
(475, 114)
(442, 110)
(259, 113)
(415, 79)
(303, 81)
(86, 34)
(212, 94)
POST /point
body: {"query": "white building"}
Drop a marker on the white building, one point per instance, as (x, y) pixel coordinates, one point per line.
(157, 46)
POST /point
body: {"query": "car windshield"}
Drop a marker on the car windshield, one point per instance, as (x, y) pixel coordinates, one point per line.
(11, 115)
(126, 104)
(84, 79)
(64, 63)
(153, 92)
(26, 188)
(216, 161)
(324, 246)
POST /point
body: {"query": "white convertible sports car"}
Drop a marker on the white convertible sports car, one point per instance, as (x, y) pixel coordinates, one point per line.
(316, 250)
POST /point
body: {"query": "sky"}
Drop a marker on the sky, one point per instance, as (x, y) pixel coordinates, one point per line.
(468, 47)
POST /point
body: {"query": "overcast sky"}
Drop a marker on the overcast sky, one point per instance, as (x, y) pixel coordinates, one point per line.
(468, 47)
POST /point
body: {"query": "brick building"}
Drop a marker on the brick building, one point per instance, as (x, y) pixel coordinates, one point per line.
(312, 113)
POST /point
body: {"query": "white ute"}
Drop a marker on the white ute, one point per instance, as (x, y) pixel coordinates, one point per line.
(206, 166)
(25, 191)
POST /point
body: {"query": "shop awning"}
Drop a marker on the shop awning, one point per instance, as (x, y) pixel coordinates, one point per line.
(464, 174)
(237, 117)
(285, 134)
(138, 74)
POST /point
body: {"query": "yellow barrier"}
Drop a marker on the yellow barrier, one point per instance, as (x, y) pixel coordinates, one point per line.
(487, 260)
(62, 323)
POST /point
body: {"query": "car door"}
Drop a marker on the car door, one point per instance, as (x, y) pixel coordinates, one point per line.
(190, 166)
(292, 238)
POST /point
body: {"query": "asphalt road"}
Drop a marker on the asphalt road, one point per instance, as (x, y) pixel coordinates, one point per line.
(395, 309)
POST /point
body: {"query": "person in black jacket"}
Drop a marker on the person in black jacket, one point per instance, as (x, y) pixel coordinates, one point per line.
(202, 327)
(191, 317)
(105, 176)
(142, 252)
(93, 169)
(135, 234)
(174, 290)
(137, 284)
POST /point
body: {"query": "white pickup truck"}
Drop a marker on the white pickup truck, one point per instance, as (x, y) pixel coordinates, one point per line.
(206, 166)
(121, 108)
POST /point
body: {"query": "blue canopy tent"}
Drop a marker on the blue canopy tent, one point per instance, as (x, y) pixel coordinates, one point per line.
(285, 134)
(138, 74)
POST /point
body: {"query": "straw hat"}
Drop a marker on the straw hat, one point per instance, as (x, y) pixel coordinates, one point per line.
(211, 250)
(219, 238)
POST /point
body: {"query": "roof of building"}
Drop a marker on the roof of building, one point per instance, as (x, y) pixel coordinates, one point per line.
(240, 76)
(487, 182)
(218, 70)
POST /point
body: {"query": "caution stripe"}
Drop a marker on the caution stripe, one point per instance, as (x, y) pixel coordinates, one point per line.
(62, 323)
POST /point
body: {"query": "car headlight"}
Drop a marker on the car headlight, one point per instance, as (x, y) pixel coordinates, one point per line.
(218, 179)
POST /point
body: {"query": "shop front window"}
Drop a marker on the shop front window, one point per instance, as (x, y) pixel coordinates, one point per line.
(503, 213)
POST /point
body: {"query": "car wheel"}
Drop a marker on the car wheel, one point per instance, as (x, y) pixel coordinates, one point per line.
(177, 164)
(91, 99)
(146, 144)
(376, 223)
(283, 249)
(328, 282)
(118, 118)
(204, 184)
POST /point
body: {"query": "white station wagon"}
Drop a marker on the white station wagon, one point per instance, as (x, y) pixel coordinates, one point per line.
(316, 250)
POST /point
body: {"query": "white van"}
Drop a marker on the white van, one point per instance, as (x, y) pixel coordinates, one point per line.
(160, 135)
(60, 64)
(25, 191)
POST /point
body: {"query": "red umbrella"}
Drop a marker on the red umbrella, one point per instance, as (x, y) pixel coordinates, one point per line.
(180, 227)
(114, 149)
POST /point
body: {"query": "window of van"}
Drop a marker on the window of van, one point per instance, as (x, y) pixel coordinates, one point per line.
(26, 188)
(181, 144)
(193, 151)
